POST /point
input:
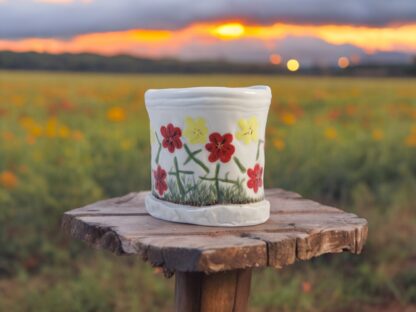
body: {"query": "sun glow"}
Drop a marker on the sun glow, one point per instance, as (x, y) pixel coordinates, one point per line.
(229, 30)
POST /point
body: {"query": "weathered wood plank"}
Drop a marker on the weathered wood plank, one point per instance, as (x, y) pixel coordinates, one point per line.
(133, 203)
(242, 290)
(219, 292)
(206, 254)
(188, 291)
(298, 229)
(140, 225)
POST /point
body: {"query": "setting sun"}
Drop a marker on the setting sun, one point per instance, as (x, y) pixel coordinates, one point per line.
(229, 30)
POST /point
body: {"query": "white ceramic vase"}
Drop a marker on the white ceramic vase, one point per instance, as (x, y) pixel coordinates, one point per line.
(207, 155)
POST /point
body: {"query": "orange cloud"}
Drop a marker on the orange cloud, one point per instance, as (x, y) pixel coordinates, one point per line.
(162, 43)
(368, 38)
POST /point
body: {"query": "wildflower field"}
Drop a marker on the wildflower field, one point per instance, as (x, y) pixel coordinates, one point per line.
(70, 139)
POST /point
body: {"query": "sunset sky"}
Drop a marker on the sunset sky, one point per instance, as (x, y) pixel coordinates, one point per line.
(312, 31)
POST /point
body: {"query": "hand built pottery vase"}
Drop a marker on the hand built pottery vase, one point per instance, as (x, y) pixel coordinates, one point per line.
(207, 155)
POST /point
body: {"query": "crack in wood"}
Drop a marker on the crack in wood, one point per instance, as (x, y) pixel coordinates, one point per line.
(104, 214)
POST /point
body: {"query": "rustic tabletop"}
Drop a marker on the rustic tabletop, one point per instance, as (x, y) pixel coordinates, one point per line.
(213, 264)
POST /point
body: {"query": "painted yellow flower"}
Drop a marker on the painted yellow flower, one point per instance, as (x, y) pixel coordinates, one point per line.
(248, 130)
(195, 130)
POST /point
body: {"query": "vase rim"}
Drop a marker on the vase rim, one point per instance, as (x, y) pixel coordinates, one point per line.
(251, 92)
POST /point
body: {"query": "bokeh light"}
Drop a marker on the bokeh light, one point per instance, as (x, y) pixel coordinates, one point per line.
(292, 65)
(343, 62)
(275, 59)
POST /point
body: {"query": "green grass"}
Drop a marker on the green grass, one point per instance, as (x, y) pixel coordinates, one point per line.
(70, 139)
(203, 193)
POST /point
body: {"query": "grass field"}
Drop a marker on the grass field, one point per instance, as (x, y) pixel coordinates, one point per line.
(70, 139)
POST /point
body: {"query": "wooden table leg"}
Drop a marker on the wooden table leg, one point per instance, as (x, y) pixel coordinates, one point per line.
(226, 291)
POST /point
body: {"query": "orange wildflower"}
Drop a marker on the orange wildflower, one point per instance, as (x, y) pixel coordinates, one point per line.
(279, 144)
(116, 114)
(77, 135)
(306, 287)
(411, 138)
(30, 139)
(377, 135)
(8, 179)
(288, 119)
(351, 110)
(8, 136)
(330, 133)
(51, 127)
(3, 112)
(64, 131)
(334, 114)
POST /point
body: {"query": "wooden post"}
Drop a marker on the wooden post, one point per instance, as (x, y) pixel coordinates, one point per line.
(226, 291)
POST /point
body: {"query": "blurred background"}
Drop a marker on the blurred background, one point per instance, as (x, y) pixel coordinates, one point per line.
(73, 130)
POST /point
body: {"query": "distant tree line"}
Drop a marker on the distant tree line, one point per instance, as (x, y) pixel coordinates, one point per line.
(87, 62)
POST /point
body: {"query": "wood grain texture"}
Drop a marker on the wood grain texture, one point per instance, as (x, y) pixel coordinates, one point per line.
(226, 291)
(188, 291)
(298, 229)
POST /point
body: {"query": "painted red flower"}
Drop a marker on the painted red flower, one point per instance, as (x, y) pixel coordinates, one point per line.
(171, 137)
(255, 178)
(159, 176)
(220, 147)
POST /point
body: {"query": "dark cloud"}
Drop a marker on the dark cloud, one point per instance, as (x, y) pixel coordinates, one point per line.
(27, 18)
(310, 51)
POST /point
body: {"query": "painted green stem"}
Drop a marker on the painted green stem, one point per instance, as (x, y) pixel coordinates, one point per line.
(217, 182)
(258, 149)
(191, 155)
(220, 180)
(158, 150)
(181, 171)
(239, 165)
(178, 177)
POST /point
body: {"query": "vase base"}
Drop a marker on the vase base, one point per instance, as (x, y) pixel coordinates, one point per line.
(228, 215)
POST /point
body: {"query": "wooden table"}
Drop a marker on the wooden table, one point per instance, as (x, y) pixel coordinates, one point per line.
(212, 264)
